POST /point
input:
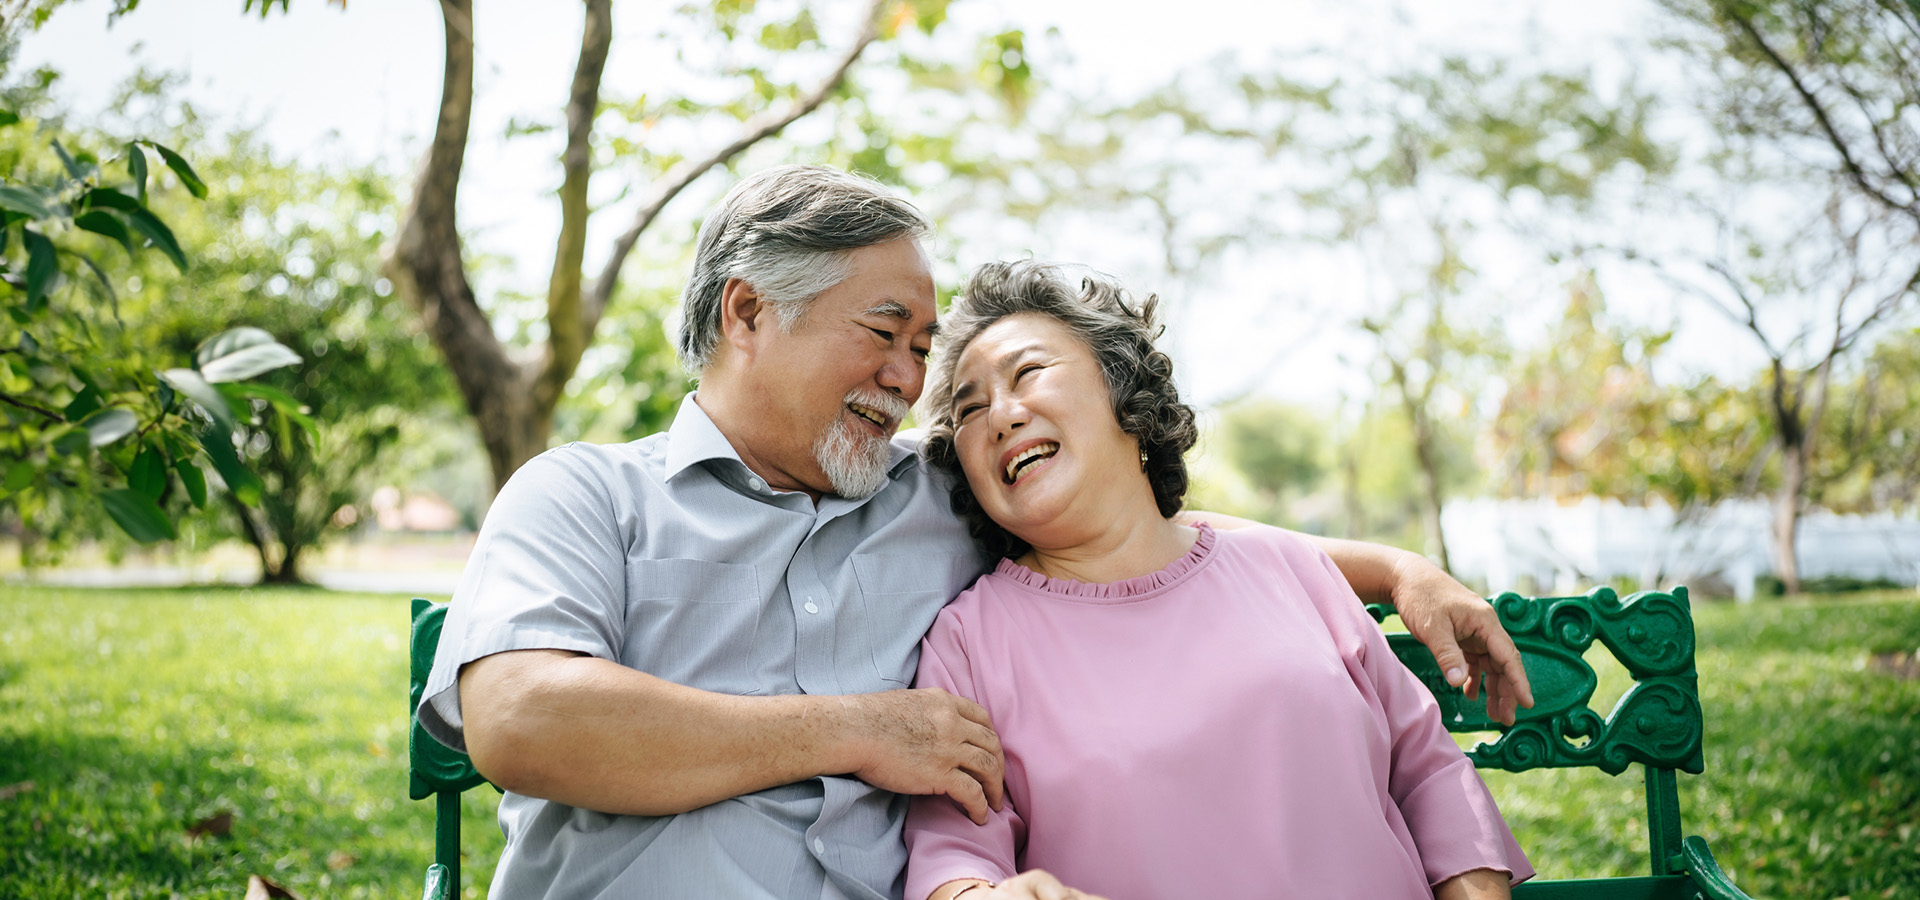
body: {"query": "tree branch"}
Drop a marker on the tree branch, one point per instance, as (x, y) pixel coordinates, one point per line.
(50, 414)
(568, 330)
(425, 261)
(1854, 173)
(752, 131)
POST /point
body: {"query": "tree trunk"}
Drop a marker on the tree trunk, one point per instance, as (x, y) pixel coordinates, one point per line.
(1430, 485)
(272, 571)
(512, 400)
(1786, 516)
(1350, 493)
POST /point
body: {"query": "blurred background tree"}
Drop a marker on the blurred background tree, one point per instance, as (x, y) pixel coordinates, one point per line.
(95, 427)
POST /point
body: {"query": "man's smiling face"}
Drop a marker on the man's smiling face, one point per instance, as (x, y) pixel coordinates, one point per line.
(836, 387)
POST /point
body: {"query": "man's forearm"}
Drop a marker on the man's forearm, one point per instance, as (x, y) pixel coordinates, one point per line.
(592, 733)
(1372, 569)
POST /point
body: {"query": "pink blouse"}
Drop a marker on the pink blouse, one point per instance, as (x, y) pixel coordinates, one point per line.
(1233, 725)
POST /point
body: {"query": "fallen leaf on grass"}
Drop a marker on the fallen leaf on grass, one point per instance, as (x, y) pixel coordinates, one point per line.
(219, 825)
(340, 859)
(14, 790)
(261, 889)
(1904, 666)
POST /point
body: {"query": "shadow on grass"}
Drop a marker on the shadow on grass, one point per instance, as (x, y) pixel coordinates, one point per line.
(106, 815)
(97, 813)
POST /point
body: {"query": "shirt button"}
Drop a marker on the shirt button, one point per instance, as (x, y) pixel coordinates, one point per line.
(810, 607)
(756, 484)
(819, 846)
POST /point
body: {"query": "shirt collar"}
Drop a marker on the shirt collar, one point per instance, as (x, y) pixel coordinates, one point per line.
(693, 438)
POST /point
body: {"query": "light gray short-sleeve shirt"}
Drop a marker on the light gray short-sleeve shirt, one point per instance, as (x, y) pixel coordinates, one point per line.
(668, 555)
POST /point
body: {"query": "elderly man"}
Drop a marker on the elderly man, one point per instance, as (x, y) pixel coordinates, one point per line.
(687, 658)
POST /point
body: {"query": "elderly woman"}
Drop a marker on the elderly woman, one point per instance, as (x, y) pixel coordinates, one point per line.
(1185, 712)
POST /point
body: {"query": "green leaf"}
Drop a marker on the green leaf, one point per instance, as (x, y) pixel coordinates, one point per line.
(83, 405)
(106, 283)
(109, 199)
(196, 388)
(30, 202)
(137, 515)
(8, 117)
(66, 159)
(241, 482)
(194, 480)
(188, 177)
(161, 236)
(287, 405)
(109, 425)
(71, 440)
(137, 170)
(19, 476)
(40, 267)
(241, 353)
(148, 475)
(101, 222)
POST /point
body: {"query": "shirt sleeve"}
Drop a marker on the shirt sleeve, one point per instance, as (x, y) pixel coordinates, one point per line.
(942, 843)
(548, 571)
(1453, 819)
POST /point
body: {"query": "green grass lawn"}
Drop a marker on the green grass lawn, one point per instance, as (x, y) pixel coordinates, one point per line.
(136, 714)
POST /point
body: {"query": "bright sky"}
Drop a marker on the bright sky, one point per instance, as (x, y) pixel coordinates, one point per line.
(363, 85)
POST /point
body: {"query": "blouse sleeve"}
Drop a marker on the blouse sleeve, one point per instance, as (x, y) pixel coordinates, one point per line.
(1451, 815)
(942, 843)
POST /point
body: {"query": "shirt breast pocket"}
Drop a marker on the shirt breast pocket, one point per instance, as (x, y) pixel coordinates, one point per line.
(900, 594)
(694, 622)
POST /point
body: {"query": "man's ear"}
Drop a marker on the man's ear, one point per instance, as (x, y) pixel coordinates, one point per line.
(742, 315)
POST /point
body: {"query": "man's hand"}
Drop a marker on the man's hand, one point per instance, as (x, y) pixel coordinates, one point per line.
(1464, 633)
(1033, 884)
(927, 741)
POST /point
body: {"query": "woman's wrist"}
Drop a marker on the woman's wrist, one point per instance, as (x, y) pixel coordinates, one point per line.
(953, 889)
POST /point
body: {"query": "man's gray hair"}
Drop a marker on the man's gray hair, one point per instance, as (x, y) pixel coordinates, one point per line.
(790, 233)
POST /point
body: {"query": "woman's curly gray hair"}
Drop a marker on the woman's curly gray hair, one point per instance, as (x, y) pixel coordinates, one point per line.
(1118, 332)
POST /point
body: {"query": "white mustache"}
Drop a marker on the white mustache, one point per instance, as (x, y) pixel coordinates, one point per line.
(893, 407)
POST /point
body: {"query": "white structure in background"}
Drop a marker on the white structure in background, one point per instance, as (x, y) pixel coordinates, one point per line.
(1568, 547)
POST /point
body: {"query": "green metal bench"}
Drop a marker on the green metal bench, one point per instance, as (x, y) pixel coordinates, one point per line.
(1656, 723)
(434, 769)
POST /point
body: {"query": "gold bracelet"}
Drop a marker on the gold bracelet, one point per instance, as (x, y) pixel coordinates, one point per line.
(984, 884)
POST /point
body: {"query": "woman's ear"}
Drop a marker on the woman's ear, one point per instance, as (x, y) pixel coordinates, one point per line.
(742, 315)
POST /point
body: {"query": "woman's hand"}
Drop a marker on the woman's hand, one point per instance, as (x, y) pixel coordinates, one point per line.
(1463, 632)
(1479, 884)
(1033, 884)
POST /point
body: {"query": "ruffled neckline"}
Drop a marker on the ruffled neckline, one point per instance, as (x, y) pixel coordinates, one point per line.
(1131, 589)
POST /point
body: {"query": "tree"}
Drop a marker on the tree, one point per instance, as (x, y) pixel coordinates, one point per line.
(1813, 104)
(1456, 146)
(1584, 415)
(1280, 451)
(87, 416)
(513, 394)
(1868, 459)
(312, 280)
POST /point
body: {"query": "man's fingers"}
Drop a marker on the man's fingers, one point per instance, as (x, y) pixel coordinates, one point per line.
(972, 710)
(989, 770)
(966, 791)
